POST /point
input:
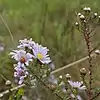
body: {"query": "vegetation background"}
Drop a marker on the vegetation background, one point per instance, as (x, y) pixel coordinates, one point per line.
(50, 23)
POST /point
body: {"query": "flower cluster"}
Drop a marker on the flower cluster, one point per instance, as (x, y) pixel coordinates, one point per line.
(67, 88)
(27, 51)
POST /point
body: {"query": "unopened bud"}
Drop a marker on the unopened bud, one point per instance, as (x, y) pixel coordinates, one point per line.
(83, 71)
(88, 8)
(76, 24)
(1, 95)
(79, 14)
(68, 76)
(85, 8)
(82, 17)
(8, 83)
(99, 17)
(95, 14)
(97, 51)
(60, 77)
(84, 21)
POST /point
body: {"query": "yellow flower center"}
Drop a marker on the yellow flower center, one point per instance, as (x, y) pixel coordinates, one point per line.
(40, 56)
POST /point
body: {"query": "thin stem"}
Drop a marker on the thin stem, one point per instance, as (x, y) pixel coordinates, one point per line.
(96, 96)
(72, 64)
(3, 77)
(88, 43)
(84, 82)
(95, 47)
(15, 88)
(10, 33)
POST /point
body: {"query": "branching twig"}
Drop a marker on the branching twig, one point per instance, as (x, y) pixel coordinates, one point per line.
(72, 64)
(53, 72)
(43, 83)
(96, 96)
(12, 89)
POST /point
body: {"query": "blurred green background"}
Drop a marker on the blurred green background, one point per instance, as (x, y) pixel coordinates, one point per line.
(50, 23)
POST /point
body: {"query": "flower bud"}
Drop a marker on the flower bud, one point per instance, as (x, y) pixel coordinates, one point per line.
(89, 9)
(76, 24)
(1, 95)
(97, 52)
(8, 83)
(85, 8)
(95, 14)
(68, 76)
(83, 71)
(84, 21)
(60, 77)
(79, 14)
(82, 17)
(99, 18)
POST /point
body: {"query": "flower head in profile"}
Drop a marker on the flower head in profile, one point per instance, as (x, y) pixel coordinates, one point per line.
(20, 74)
(26, 43)
(77, 85)
(40, 53)
(22, 57)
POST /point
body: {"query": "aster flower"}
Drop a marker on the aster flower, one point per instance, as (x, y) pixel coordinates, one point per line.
(77, 85)
(22, 57)
(26, 43)
(20, 74)
(40, 53)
